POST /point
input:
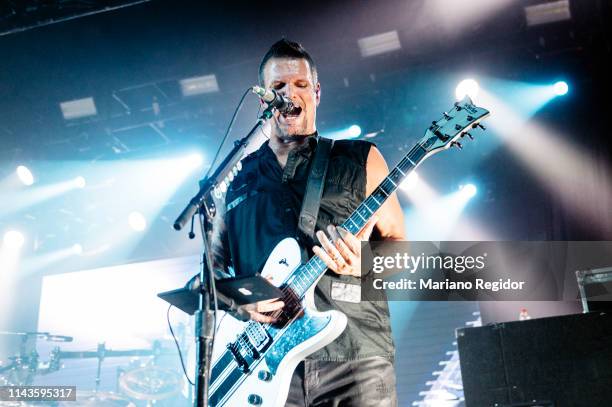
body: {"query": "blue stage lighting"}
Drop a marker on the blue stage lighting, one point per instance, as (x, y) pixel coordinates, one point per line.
(25, 175)
(561, 88)
(14, 240)
(80, 182)
(469, 190)
(137, 221)
(194, 160)
(467, 87)
(354, 131)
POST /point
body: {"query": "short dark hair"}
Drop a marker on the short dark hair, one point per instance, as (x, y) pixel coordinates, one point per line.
(287, 49)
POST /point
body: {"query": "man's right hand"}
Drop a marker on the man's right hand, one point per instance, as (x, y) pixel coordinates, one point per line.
(260, 311)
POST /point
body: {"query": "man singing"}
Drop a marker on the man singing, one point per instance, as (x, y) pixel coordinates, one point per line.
(262, 207)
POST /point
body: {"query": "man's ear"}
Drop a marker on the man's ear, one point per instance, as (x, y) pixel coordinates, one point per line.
(318, 93)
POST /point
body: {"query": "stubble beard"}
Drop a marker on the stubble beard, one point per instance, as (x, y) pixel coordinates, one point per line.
(285, 137)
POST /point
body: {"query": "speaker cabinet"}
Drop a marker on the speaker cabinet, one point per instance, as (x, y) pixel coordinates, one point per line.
(561, 361)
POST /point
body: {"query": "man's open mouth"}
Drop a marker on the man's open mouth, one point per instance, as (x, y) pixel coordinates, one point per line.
(294, 112)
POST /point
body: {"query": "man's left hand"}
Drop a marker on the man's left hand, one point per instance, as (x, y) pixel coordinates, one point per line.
(341, 252)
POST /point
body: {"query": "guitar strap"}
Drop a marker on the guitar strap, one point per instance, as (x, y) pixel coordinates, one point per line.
(314, 187)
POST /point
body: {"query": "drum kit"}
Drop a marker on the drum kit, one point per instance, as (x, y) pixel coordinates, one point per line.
(144, 381)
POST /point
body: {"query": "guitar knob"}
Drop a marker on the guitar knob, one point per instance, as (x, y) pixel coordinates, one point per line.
(255, 400)
(264, 375)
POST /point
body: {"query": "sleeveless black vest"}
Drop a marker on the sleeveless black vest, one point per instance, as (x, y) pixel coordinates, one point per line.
(262, 208)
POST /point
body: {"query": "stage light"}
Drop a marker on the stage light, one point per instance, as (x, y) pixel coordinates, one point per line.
(80, 182)
(345, 133)
(25, 175)
(379, 44)
(137, 221)
(75, 109)
(77, 249)
(199, 85)
(354, 131)
(194, 160)
(467, 87)
(469, 190)
(549, 12)
(410, 181)
(14, 240)
(561, 88)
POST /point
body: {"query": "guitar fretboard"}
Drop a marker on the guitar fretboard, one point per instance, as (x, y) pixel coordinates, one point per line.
(306, 275)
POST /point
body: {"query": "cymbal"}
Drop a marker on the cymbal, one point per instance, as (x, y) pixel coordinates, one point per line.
(150, 383)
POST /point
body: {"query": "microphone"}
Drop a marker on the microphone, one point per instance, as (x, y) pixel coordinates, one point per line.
(273, 99)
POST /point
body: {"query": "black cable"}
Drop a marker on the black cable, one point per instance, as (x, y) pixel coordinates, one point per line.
(227, 132)
(178, 347)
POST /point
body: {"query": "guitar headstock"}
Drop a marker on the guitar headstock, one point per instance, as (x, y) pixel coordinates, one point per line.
(454, 125)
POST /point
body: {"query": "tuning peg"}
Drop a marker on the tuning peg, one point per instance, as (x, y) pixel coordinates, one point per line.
(469, 135)
(446, 115)
(479, 125)
(457, 144)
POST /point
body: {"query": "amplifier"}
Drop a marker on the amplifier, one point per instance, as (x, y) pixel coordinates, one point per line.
(561, 361)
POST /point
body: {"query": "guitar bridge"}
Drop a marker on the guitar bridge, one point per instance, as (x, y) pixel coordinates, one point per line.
(238, 353)
(250, 345)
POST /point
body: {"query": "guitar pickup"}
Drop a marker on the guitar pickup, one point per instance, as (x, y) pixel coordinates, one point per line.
(257, 337)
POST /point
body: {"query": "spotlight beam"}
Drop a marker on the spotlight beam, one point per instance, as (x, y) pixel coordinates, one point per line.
(24, 199)
(580, 184)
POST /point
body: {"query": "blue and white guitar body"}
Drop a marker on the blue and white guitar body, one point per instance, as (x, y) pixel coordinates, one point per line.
(267, 382)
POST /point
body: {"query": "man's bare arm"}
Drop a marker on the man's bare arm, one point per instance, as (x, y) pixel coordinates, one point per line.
(390, 223)
(341, 251)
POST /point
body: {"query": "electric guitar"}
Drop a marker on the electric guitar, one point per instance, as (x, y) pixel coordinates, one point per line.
(253, 362)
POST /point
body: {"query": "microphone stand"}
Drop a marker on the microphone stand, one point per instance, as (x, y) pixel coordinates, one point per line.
(203, 204)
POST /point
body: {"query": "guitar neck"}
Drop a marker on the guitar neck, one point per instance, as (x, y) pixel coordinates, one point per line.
(308, 273)
(397, 175)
